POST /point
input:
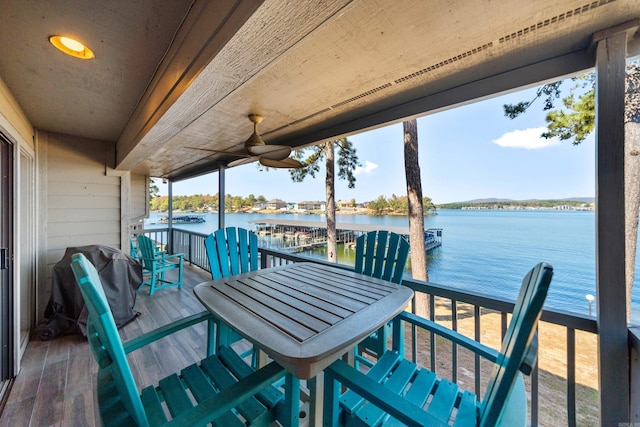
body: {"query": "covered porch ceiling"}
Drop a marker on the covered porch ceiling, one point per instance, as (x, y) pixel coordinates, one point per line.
(173, 79)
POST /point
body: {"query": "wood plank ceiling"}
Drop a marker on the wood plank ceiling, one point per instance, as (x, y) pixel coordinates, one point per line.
(171, 77)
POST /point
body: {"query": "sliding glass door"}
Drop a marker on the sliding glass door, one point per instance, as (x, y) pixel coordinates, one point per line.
(7, 344)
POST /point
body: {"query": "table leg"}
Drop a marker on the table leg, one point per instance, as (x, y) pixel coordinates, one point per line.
(291, 401)
(262, 358)
(316, 392)
(225, 334)
(212, 335)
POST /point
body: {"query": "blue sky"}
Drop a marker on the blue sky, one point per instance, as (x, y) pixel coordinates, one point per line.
(466, 153)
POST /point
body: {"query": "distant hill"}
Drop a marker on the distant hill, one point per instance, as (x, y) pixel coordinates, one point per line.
(582, 199)
(495, 200)
(496, 203)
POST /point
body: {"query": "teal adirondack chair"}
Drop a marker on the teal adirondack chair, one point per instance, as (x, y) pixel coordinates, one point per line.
(231, 251)
(157, 263)
(396, 392)
(134, 252)
(215, 390)
(383, 255)
(133, 248)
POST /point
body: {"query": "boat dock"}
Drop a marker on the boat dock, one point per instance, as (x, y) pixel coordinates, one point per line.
(184, 219)
(297, 235)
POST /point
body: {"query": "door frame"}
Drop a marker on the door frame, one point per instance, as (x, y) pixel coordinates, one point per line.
(7, 260)
(25, 227)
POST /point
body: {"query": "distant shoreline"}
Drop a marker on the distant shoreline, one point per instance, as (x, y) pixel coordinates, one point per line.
(371, 213)
(355, 211)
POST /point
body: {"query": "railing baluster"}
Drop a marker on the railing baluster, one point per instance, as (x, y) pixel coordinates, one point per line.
(414, 332)
(503, 324)
(476, 336)
(571, 377)
(432, 336)
(454, 347)
(534, 393)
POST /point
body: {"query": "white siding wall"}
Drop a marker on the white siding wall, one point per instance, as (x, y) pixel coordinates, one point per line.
(139, 197)
(80, 203)
(13, 122)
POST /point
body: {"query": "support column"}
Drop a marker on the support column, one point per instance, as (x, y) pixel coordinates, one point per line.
(221, 193)
(613, 350)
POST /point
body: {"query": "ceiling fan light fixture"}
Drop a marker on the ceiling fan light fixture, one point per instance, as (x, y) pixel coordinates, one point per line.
(71, 47)
(254, 140)
(272, 156)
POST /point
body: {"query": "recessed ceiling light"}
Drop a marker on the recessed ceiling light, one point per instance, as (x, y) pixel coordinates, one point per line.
(71, 47)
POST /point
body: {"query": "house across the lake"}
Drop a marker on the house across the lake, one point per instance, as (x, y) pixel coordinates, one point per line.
(275, 204)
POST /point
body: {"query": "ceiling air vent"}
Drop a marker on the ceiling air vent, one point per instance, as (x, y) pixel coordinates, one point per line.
(558, 18)
(302, 119)
(362, 95)
(445, 62)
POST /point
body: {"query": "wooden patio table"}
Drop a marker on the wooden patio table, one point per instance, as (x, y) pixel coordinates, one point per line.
(303, 315)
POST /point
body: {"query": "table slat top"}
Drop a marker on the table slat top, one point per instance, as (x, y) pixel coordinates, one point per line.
(303, 315)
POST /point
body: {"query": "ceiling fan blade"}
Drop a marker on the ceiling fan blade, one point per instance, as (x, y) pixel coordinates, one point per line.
(272, 152)
(287, 163)
(231, 153)
(243, 161)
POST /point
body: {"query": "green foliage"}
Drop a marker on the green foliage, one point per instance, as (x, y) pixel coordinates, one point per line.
(312, 157)
(153, 189)
(395, 205)
(576, 119)
(398, 205)
(428, 206)
(548, 93)
(347, 161)
(199, 202)
(310, 164)
(379, 205)
(577, 122)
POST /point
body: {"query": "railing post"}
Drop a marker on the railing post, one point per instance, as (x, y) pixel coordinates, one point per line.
(613, 350)
(571, 377)
(170, 217)
(221, 193)
(634, 356)
(263, 259)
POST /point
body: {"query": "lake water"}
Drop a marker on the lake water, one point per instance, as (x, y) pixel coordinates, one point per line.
(488, 251)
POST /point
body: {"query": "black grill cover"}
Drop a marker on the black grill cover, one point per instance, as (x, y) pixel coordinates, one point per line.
(121, 277)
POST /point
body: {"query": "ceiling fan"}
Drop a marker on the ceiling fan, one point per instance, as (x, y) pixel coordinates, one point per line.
(272, 156)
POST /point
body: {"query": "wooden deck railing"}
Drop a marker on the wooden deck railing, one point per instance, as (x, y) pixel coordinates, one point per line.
(478, 316)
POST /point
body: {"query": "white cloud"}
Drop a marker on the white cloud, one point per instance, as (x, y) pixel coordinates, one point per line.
(529, 139)
(368, 167)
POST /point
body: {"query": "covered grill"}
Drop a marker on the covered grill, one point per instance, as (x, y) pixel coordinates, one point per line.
(121, 277)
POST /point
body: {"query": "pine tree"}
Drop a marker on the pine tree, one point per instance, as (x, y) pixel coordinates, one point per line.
(311, 159)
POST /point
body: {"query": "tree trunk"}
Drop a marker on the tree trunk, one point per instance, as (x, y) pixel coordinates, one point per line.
(332, 245)
(419, 269)
(632, 202)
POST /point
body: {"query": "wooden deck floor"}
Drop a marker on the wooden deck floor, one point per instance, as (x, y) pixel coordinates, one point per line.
(55, 386)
